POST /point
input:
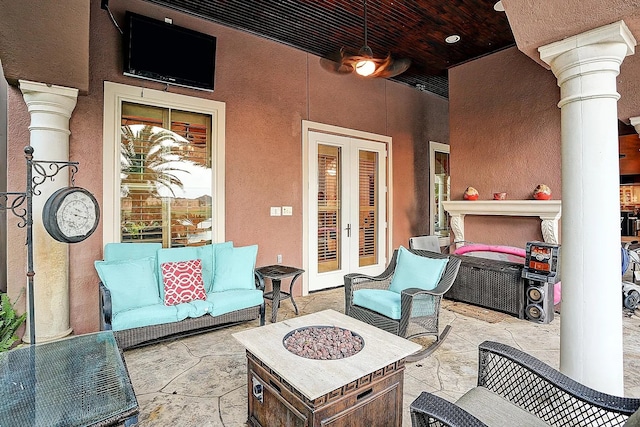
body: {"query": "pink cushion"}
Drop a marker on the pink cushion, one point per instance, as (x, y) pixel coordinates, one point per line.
(491, 248)
(182, 281)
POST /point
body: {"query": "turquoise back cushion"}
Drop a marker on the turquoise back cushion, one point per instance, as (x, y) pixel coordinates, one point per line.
(123, 251)
(132, 282)
(234, 268)
(206, 253)
(415, 271)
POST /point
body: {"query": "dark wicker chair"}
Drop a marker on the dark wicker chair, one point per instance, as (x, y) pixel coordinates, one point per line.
(518, 379)
(419, 308)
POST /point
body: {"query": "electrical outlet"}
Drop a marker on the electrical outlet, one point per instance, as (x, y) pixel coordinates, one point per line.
(279, 259)
(287, 210)
(276, 211)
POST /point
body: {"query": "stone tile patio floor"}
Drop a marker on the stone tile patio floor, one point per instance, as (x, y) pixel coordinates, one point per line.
(201, 380)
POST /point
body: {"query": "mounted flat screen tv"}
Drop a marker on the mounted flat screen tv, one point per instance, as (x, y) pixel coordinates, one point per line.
(156, 50)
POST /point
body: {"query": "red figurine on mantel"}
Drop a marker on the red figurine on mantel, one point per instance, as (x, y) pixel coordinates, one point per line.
(542, 192)
(470, 194)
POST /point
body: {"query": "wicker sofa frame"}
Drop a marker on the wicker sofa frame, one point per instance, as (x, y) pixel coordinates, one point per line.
(532, 385)
(138, 337)
(494, 284)
(413, 322)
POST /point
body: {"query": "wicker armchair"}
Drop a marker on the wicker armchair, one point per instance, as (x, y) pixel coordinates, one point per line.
(515, 388)
(419, 308)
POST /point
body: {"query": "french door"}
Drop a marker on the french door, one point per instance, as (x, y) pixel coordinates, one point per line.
(347, 208)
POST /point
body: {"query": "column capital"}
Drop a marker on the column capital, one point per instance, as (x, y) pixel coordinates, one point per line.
(635, 122)
(41, 97)
(617, 32)
(50, 107)
(586, 65)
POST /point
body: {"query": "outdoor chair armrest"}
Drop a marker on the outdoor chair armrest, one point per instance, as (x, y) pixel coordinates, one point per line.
(439, 290)
(105, 307)
(547, 393)
(428, 409)
(259, 280)
(355, 281)
(360, 281)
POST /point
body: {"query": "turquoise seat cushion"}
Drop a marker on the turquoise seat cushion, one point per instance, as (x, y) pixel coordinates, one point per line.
(633, 420)
(494, 410)
(132, 283)
(154, 314)
(415, 271)
(198, 308)
(232, 300)
(234, 268)
(381, 301)
(125, 251)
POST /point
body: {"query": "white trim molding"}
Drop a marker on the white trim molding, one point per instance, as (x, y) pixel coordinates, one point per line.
(309, 126)
(114, 95)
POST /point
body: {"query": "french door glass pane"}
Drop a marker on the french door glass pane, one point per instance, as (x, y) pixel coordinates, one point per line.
(442, 186)
(165, 179)
(329, 209)
(368, 203)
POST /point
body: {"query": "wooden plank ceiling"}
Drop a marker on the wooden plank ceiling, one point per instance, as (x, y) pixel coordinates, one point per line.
(406, 29)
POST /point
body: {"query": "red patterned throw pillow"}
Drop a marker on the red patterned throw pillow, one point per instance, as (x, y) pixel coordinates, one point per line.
(182, 281)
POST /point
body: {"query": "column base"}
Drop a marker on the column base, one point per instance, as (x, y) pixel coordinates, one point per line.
(26, 339)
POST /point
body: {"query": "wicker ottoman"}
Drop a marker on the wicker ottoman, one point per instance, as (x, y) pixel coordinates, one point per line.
(489, 283)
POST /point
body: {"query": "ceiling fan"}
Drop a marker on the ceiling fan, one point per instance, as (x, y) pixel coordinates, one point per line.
(346, 61)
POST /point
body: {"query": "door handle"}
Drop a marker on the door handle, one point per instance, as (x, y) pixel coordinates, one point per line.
(348, 230)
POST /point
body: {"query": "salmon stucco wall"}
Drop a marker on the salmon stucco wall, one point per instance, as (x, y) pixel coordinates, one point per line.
(57, 52)
(268, 89)
(505, 137)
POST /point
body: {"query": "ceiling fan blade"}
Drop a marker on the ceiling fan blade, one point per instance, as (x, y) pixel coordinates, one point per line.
(344, 62)
(335, 67)
(337, 62)
(392, 68)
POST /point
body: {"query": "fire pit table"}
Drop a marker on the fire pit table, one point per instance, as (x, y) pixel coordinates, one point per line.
(305, 386)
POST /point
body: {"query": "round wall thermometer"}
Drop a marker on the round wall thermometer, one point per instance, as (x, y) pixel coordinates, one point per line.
(71, 214)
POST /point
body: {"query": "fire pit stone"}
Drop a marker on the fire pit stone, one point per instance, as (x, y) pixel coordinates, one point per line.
(323, 342)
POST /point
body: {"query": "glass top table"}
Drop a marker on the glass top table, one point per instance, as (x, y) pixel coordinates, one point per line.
(77, 381)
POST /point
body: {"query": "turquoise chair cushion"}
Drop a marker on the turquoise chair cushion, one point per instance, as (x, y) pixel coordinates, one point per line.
(234, 268)
(132, 282)
(381, 301)
(232, 300)
(415, 271)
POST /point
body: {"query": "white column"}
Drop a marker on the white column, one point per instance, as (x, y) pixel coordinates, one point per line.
(50, 108)
(586, 66)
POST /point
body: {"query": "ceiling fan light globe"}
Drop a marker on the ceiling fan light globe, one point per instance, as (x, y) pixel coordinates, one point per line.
(365, 68)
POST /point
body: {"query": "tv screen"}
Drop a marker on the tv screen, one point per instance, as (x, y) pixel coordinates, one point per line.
(156, 50)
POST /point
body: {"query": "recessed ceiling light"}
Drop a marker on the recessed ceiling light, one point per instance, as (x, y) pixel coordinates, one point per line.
(498, 7)
(452, 39)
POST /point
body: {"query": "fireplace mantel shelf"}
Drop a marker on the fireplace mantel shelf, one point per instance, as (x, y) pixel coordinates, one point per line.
(549, 211)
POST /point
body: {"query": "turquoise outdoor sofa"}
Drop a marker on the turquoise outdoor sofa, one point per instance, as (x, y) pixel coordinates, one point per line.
(148, 293)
